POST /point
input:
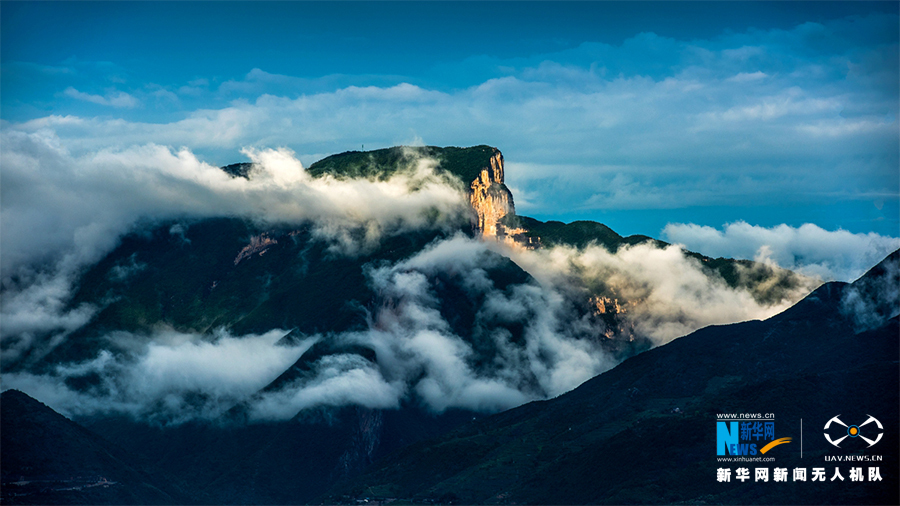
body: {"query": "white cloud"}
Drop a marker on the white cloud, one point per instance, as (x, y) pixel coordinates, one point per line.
(830, 255)
(747, 76)
(164, 94)
(419, 354)
(171, 377)
(113, 99)
(869, 302)
(80, 205)
(340, 380)
(765, 115)
(662, 292)
(664, 295)
(61, 213)
(661, 135)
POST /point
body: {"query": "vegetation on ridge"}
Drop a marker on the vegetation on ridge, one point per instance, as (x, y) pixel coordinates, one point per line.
(465, 163)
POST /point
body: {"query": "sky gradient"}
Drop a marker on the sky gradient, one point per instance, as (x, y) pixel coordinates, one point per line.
(642, 116)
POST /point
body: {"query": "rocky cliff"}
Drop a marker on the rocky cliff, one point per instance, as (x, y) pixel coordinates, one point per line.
(490, 198)
(492, 202)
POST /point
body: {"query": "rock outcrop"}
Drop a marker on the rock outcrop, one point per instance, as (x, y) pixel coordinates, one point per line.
(258, 244)
(492, 201)
(490, 198)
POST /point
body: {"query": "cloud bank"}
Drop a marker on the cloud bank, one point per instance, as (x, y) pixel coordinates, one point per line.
(663, 293)
(58, 207)
(830, 255)
(759, 117)
(173, 378)
(532, 339)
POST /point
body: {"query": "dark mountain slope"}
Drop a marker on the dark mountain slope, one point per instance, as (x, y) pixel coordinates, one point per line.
(645, 431)
(195, 281)
(274, 463)
(48, 459)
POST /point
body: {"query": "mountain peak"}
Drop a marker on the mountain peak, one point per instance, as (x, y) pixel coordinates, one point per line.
(479, 168)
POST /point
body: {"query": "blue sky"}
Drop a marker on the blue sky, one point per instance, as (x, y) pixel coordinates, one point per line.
(637, 115)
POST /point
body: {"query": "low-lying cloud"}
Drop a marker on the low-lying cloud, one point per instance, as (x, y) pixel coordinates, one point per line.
(61, 213)
(662, 292)
(61, 207)
(830, 255)
(532, 339)
(870, 301)
(421, 357)
(167, 377)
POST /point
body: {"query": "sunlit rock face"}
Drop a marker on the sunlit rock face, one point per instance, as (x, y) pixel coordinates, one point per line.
(490, 198)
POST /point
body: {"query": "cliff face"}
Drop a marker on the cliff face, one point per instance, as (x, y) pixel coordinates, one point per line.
(491, 199)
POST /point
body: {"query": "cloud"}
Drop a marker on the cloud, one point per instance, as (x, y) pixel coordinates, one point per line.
(751, 117)
(59, 206)
(661, 292)
(639, 143)
(748, 76)
(652, 123)
(830, 255)
(169, 377)
(33, 305)
(339, 380)
(113, 99)
(164, 94)
(485, 346)
(420, 354)
(537, 338)
(61, 213)
(871, 301)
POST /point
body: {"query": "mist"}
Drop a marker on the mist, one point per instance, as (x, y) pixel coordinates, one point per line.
(166, 378)
(69, 211)
(836, 255)
(171, 377)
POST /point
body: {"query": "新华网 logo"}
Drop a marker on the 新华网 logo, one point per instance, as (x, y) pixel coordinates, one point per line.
(746, 437)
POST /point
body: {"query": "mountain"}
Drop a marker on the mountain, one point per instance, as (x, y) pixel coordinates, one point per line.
(247, 277)
(263, 361)
(49, 459)
(645, 431)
